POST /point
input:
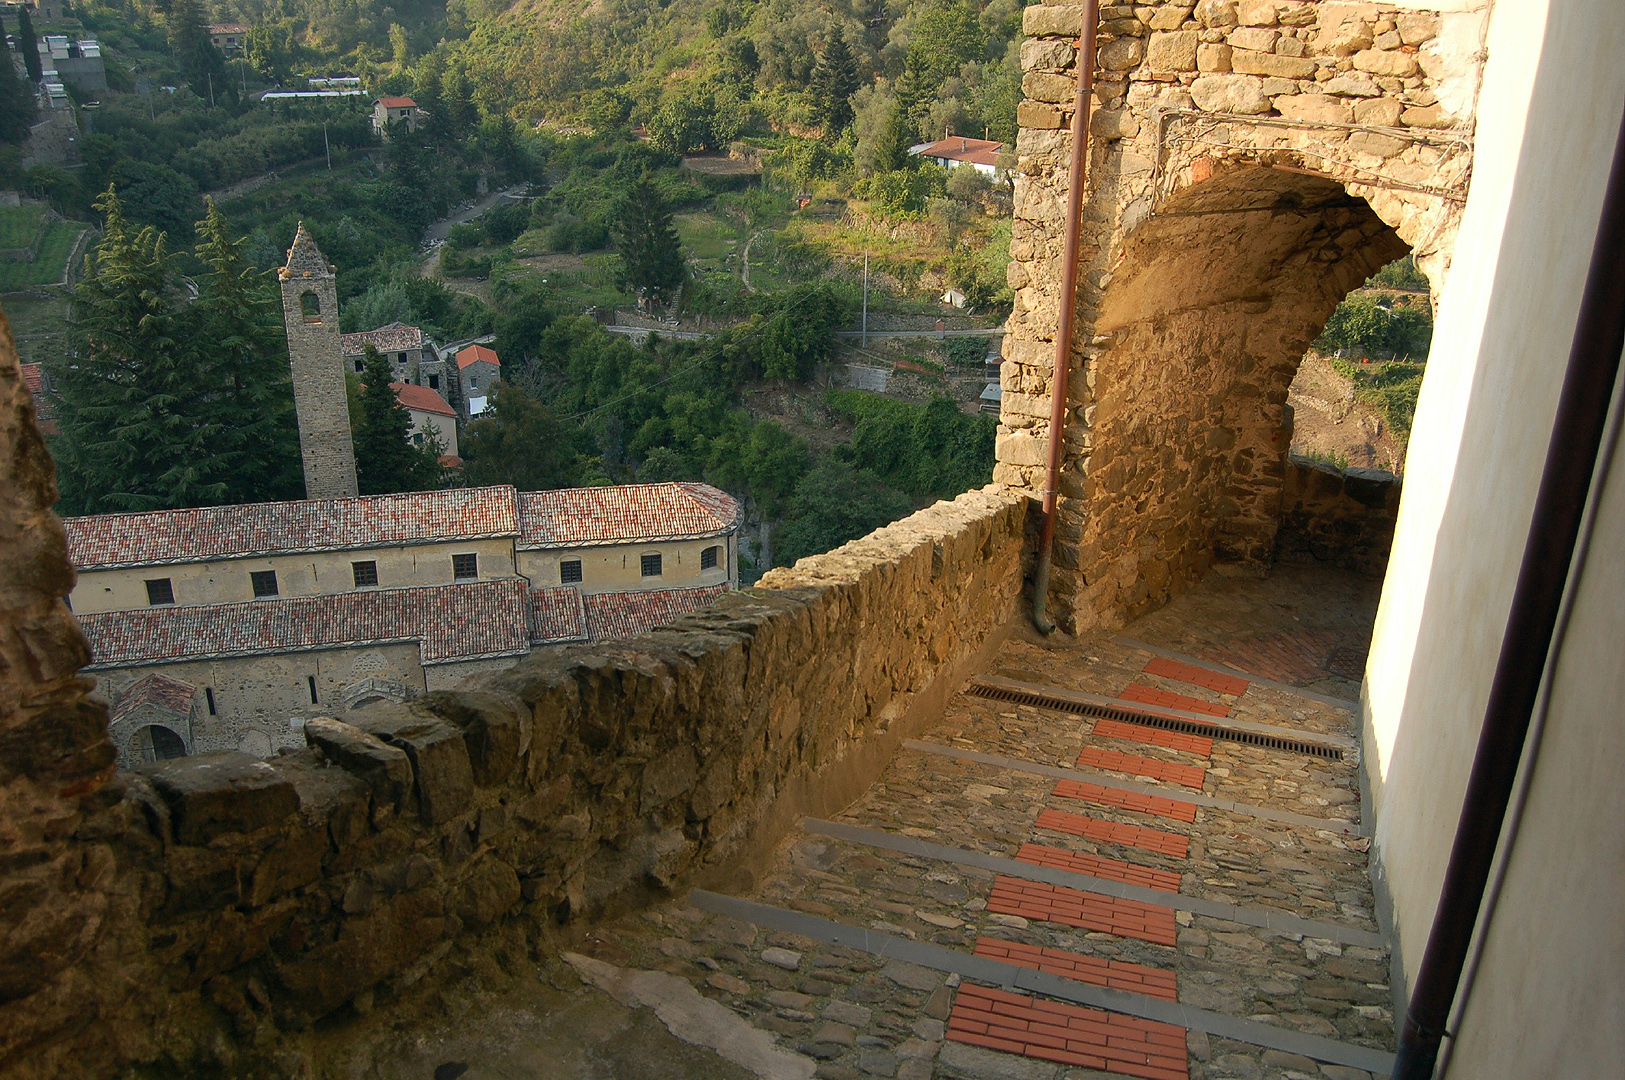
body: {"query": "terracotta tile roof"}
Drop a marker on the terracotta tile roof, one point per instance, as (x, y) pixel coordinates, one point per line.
(227, 28)
(34, 379)
(628, 614)
(557, 614)
(421, 398)
(396, 103)
(44, 408)
(162, 537)
(305, 259)
(159, 690)
(581, 517)
(476, 354)
(396, 337)
(467, 621)
(956, 148)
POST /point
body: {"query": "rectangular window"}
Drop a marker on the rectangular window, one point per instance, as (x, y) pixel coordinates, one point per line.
(569, 571)
(434, 382)
(708, 558)
(159, 591)
(465, 567)
(360, 366)
(473, 383)
(651, 565)
(312, 680)
(208, 694)
(365, 573)
(264, 582)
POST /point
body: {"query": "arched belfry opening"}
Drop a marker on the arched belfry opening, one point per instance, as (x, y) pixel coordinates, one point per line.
(1201, 327)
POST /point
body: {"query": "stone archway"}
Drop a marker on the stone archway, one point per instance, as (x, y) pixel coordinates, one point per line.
(1250, 164)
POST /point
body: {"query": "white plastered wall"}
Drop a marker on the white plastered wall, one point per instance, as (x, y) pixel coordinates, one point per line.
(1548, 113)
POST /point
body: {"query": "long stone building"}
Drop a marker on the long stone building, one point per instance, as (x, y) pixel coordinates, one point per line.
(224, 627)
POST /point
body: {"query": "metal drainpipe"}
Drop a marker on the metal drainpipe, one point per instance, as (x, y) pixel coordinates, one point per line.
(1067, 313)
(1571, 459)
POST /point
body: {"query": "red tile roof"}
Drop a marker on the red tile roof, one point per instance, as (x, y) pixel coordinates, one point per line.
(467, 621)
(628, 614)
(396, 337)
(557, 614)
(159, 537)
(956, 148)
(477, 354)
(397, 103)
(582, 517)
(421, 398)
(34, 379)
(159, 690)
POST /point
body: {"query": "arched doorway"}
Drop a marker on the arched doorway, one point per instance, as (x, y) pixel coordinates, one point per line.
(157, 743)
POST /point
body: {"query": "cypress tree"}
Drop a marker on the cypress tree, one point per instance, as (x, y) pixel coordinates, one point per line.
(385, 459)
(834, 81)
(17, 106)
(236, 328)
(135, 430)
(29, 41)
(646, 236)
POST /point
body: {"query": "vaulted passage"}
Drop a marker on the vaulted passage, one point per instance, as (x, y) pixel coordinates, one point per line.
(1202, 326)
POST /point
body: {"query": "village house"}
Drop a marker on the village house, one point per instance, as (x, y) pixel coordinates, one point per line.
(394, 110)
(262, 614)
(412, 356)
(478, 371)
(429, 413)
(229, 38)
(956, 150)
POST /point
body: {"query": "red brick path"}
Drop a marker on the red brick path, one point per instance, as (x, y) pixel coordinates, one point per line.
(1095, 866)
(1170, 700)
(1113, 832)
(1090, 911)
(1049, 1030)
(1159, 983)
(1234, 685)
(1172, 740)
(1113, 761)
(1155, 805)
(1296, 657)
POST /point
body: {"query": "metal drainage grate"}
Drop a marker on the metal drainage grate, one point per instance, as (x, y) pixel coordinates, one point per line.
(1165, 723)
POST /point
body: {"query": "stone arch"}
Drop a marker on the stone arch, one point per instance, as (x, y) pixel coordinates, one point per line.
(1200, 331)
(156, 741)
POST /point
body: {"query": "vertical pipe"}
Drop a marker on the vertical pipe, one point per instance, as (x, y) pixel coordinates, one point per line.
(1554, 528)
(1067, 310)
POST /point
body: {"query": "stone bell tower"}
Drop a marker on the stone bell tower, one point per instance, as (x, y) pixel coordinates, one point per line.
(310, 310)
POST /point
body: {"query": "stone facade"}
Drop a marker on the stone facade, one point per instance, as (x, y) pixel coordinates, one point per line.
(1341, 517)
(207, 910)
(310, 311)
(1250, 163)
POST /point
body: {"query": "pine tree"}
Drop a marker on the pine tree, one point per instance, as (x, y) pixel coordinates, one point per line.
(385, 459)
(203, 64)
(17, 106)
(28, 41)
(235, 325)
(134, 429)
(834, 81)
(646, 236)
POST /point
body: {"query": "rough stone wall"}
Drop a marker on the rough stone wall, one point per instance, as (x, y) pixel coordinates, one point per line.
(201, 913)
(1340, 517)
(1250, 163)
(316, 355)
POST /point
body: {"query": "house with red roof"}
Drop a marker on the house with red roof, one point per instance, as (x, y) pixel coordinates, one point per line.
(387, 111)
(429, 413)
(478, 371)
(957, 150)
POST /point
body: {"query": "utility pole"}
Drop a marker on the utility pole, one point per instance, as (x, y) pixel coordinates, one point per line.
(327, 146)
(211, 89)
(864, 333)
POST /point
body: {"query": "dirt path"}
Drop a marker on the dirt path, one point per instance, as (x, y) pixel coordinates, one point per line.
(1329, 423)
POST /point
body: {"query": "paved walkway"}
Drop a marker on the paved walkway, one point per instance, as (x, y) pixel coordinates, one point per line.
(1134, 854)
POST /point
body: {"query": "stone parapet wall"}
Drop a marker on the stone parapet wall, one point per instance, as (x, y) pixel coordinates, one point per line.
(1250, 162)
(206, 911)
(1341, 517)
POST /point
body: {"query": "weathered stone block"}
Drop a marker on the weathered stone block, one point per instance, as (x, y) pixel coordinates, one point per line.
(1396, 65)
(441, 772)
(1230, 94)
(1213, 58)
(1033, 114)
(1216, 13)
(1417, 27)
(1257, 13)
(1046, 55)
(1172, 51)
(1121, 54)
(1283, 67)
(1114, 124)
(210, 795)
(1430, 117)
(385, 769)
(493, 725)
(490, 890)
(1314, 107)
(666, 777)
(1021, 448)
(1354, 84)
(1346, 37)
(1169, 17)
(1046, 86)
(1255, 38)
(1378, 112)
(1052, 20)
(1379, 145)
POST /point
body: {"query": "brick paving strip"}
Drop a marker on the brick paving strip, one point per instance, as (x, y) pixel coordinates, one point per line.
(1339, 742)
(1160, 983)
(1216, 681)
(1113, 832)
(1189, 799)
(1263, 918)
(1168, 740)
(1190, 776)
(1095, 866)
(1138, 801)
(1167, 699)
(1025, 977)
(1084, 909)
(1225, 669)
(1030, 1026)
